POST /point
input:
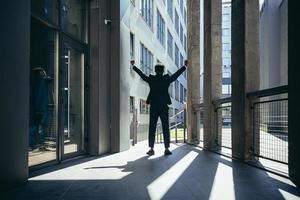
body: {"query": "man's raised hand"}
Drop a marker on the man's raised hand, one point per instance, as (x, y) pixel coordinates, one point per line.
(186, 63)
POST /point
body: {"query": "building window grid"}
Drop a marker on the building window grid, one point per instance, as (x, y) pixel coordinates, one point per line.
(171, 87)
(181, 34)
(146, 60)
(147, 11)
(177, 90)
(170, 45)
(181, 93)
(185, 16)
(132, 45)
(181, 6)
(160, 29)
(176, 22)
(132, 102)
(176, 55)
(170, 8)
(185, 43)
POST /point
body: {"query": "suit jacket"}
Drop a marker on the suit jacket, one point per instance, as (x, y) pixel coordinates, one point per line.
(159, 85)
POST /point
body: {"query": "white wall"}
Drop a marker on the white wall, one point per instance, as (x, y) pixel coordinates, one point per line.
(273, 44)
(132, 21)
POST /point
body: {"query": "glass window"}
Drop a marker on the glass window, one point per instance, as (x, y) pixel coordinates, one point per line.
(176, 22)
(45, 9)
(225, 17)
(170, 44)
(181, 93)
(226, 46)
(181, 34)
(181, 6)
(177, 90)
(185, 43)
(170, 8)
(147, 11)
(185, 16)
(73, 94)
(181, 60)
(160, 29)
(226, 32)
(176, 55)
(74, 18)
(131, 45)
(132, 102)
(49, 118)
(43, 95)
(146, 60)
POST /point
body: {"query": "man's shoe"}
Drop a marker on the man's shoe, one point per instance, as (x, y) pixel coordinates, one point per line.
(168, 152)
(150, 152)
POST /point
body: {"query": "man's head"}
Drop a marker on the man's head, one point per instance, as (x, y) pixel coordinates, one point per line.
(159, 69)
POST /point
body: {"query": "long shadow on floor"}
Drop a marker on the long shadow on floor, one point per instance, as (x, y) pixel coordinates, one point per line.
(189, 173)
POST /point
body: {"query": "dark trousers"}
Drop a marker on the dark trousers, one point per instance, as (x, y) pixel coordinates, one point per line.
(161, 111)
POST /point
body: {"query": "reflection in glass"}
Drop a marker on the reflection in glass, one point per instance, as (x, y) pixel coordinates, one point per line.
(73, 100)
(45, 9)
(43, 101)
(73, 18)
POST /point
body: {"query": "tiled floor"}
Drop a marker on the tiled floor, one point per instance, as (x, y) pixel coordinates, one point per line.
(189, 173)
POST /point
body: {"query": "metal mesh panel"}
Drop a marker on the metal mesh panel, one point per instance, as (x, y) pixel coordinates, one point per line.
(224, 125)
(271, 129)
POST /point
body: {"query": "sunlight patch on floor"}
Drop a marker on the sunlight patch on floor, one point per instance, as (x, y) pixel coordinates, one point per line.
(287, 195)
(159, 187)
(223, 185)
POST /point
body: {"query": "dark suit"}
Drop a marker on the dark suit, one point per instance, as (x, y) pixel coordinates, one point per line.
(159, 100)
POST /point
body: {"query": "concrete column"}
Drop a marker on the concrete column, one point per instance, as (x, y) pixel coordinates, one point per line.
(99, 119)
(14, 97)
(193, 71)
(212, 68)
(109, 92)
(245, 73)
(294, 88)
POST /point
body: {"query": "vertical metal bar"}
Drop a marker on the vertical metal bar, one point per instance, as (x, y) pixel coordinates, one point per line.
(184, 125)
(176, 129)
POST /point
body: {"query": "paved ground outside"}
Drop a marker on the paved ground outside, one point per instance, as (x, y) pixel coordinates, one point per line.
(189, 173)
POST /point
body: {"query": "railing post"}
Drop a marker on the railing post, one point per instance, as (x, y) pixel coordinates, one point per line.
(176, 122)
(184, 125)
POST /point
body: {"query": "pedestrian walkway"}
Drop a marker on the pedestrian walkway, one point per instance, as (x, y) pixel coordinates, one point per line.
(190, 173)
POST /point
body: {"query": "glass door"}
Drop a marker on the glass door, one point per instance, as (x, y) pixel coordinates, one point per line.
(72, 84)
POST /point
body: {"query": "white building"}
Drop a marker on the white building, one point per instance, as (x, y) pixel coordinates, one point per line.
(153, 31)
(273, 43)
(226, 48)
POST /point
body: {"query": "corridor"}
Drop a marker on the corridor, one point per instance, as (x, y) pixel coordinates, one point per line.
(190, 173)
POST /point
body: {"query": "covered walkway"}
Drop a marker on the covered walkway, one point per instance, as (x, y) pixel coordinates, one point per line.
(190, 173)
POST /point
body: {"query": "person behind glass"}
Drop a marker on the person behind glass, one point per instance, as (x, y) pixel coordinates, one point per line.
(159, 99)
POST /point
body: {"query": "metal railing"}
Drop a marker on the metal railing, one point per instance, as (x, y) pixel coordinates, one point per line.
(223, 116)
(177, 124)
(270, 124)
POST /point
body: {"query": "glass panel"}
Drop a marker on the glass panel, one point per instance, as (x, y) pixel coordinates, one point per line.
(43, 95)
(73, 100)
(46, 9)
(73, 18)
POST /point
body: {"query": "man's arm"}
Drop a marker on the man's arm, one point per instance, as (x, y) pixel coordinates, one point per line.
(177, 74)
(142, 75)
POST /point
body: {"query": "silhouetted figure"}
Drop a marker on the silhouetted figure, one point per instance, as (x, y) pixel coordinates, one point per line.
(159, 100)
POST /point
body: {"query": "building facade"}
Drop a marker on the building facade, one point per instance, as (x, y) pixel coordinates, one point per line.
(226, 48)
(273, 43)
(153, 32)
